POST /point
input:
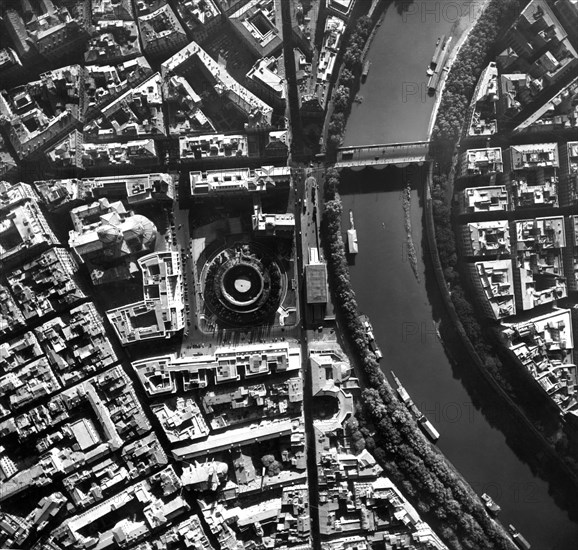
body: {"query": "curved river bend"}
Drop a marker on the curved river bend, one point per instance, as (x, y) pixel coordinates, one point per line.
(394, 110)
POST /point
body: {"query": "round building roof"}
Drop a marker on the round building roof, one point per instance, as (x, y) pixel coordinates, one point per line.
(108, 233)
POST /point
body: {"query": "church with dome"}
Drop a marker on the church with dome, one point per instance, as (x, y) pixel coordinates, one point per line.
(108, 238)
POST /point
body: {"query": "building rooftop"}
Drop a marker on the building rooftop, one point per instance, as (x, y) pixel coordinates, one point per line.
(572, 226)
(251, 402)
(136, 189)
(197, 12)
(141, 496)
(483, 121)
(184, 113)
(544, 346)
(238, 180)
(270, 224)
(76, 344)
(161, 31)
(331, 376)
(50, 28)
(539, 46)
(137, 152)
(210, 146)
(113, 42)
(267, 429)
(7, 162)
(18, 351)
(24, 230)
(111, 9)
(485, 199)
(487, 238)
(45, 284)
(105, 82)
(534, 155)
(571, 172)
(68, 152)
(539, 267)
(534, 189)
(159, 375)
(257, 112)
(162, 311)
(497, 282)
(316, 283)
(56, 194)
(23, 386)
(342, 6)
(9, 60)
(41, 111)
(181, 421)
(258, 24)
(516, 91)
(333, 33)
(561, 111)
(540, 234)
(93, 484)
(484, 161)
(137, 113)
(108, 238)
(11, 318)
(265, 73)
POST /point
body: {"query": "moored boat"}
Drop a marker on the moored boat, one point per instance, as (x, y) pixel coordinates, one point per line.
(490, 504)
(365, 70)
(421, 419)
(352, 236)
(518, 538)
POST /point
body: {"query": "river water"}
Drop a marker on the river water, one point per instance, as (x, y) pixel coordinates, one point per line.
(402, 308)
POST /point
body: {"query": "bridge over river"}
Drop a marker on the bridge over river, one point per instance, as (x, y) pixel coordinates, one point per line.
(383, 155)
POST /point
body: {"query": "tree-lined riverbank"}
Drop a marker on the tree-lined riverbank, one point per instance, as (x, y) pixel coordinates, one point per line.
(395, 303)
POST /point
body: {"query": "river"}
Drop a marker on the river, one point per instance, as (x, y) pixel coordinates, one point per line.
(403, 308)
(396, 106)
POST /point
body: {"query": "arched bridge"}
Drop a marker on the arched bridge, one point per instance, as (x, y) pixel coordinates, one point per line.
(383, 155)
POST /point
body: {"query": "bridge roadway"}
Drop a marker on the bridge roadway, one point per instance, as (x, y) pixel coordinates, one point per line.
(383, 155)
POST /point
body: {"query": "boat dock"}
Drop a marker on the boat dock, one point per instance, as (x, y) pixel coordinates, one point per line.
(437, 64)
(420, 418)
(437, 52)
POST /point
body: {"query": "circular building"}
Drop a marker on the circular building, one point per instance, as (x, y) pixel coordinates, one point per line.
(243, 285)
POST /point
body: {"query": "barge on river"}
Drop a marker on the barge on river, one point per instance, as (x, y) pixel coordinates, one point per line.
(351, 235)
(426, 426)
(437, 54)
(520, 541)
(371, 338)
(437, 65)
(491, 506)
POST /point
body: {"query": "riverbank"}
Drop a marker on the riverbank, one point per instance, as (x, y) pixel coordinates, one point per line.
(423, 472)
(402, 311)
(522, 421)
(479, 434)
(447, 138)
(452, 57)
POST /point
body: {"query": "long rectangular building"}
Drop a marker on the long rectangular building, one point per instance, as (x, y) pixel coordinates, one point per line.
(267, 429)
(238, 180)
(158, 375)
